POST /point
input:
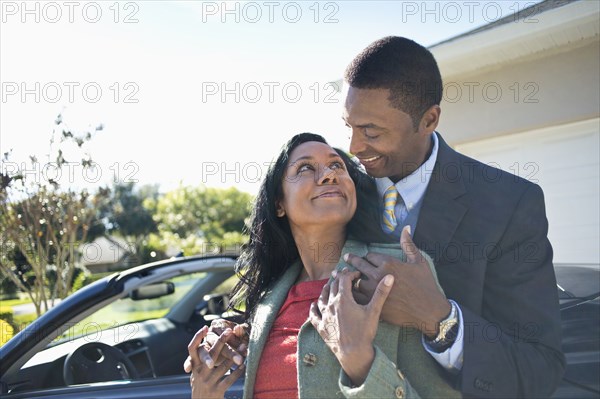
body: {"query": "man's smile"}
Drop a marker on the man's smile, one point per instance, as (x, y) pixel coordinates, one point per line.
(369, 161)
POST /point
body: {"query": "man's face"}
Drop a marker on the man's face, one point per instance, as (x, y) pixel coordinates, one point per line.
(383, 138)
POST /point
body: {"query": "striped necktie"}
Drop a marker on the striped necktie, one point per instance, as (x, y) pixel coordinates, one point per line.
(390, 197)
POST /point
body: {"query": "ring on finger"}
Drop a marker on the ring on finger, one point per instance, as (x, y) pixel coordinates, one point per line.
(356, 284)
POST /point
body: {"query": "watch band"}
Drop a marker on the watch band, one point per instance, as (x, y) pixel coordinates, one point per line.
(448, 330)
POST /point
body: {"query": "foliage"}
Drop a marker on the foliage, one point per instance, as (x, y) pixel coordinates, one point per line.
(42, 226)
(126, 215)
(87, 278)
(8, 325)
(23, 320)
(6, 331)
(201, 219)
(8, 289)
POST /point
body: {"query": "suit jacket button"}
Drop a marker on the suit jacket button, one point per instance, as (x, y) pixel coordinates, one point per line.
(310, 359)
(483, 385)
(399, 392)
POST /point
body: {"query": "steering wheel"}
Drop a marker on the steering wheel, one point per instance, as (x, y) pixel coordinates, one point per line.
(97, 362)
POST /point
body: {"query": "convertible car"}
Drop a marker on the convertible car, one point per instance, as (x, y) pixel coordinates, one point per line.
(579, 296)
(126, 335)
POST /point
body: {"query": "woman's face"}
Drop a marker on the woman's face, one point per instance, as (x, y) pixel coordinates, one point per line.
(317, 189)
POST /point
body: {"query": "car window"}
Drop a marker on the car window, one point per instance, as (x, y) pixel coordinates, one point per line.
(127, 310)
(148, 331)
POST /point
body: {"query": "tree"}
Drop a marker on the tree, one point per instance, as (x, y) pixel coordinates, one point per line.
(201, 219)
(42, 226)
(127, 216)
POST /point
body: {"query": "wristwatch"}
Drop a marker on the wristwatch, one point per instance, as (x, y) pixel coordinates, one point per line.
(448, 330)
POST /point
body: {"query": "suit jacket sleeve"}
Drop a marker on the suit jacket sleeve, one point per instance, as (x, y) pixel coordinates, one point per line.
(512, 347)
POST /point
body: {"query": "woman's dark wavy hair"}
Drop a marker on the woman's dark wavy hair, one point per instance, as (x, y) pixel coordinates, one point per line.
(271, 248)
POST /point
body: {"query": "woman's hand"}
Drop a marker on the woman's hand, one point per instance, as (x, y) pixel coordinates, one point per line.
(235, 349)
(211, 382)
(348, 328)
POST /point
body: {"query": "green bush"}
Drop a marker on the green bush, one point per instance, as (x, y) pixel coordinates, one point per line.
(8, 289)
(78, 282)
(84, 279)
(6, 332)
(6, 314)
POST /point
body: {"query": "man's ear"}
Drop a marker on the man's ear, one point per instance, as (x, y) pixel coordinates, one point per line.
(430, 119)
(279, 211)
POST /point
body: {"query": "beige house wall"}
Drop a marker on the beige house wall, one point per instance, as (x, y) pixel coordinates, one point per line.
(558, 88)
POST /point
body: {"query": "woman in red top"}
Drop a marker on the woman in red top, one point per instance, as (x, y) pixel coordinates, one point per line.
(305, 209)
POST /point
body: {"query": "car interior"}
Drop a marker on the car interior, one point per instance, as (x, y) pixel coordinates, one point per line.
(168, 307)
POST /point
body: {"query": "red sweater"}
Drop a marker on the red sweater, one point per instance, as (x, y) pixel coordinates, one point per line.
(277, 376)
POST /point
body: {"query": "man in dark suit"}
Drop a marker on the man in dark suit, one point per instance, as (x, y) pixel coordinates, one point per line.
(496, 332)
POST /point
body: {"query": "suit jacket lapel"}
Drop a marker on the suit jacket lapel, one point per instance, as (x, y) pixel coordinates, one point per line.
(441, 211)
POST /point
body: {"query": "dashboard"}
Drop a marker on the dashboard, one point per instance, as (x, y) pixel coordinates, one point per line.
(142, 343)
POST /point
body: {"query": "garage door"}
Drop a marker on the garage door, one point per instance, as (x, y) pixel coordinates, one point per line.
(565, 161)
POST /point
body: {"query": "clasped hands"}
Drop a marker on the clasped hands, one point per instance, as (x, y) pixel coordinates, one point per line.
(412, 298)
(212, 353)
(415, 299)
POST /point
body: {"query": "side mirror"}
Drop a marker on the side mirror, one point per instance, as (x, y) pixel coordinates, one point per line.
(151, 291)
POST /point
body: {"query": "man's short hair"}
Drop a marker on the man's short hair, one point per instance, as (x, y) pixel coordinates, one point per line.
(404, 67)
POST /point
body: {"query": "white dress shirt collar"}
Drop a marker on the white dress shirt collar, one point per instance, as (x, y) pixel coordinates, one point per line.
(412, 187)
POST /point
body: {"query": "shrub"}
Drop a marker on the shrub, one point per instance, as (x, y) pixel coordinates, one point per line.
(84, 279)
(6, 332)
(8, 289)
(8, 326)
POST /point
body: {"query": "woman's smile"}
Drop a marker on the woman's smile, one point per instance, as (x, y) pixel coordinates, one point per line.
(330, 194)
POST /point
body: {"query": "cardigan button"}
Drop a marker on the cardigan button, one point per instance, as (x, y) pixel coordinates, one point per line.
(399, 392)
(310, 359)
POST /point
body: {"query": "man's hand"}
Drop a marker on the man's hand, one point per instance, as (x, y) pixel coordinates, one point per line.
(415, 299)
(234, 349)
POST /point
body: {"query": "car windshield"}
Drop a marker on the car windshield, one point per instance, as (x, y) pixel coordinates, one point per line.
(127, 311)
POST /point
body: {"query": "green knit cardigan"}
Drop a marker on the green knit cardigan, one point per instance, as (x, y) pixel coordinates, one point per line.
(401, 368)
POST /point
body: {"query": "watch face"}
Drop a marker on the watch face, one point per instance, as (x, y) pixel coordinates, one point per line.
(446, 337)
(447, 324)
(449, 330)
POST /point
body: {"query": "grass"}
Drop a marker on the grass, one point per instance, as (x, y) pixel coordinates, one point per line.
(106, 318)
(14, 302)
(123, 313)
(126, 312)
(23, 320)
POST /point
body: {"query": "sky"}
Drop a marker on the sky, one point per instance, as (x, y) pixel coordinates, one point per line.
(193, 92)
